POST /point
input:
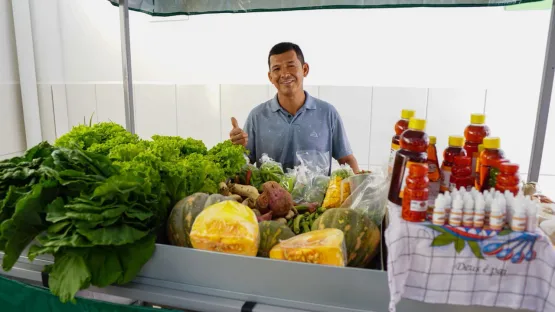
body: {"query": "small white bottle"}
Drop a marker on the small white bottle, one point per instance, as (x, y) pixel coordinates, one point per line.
(468, 213)
(532, 216)
(496, 217)
(438, 217)
(502, 204)
(479, 214)
(510, 199)
(519, 217)
(488, 201)
(448, 204)
(455, 219)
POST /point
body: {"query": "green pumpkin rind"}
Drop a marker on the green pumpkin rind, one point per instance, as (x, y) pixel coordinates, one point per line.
(271, 233)
(182, 217)
(362, 236)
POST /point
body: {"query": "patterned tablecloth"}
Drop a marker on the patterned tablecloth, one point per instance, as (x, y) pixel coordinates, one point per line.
(457, 265)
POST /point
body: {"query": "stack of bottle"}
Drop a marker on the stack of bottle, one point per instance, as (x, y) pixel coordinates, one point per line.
(486, 210)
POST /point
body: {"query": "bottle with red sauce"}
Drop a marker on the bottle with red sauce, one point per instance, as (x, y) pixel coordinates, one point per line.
(414, 146)
(474, 135)
(415, 197)
(508, 178)
(455, 148)
(400, 126)
(461, 173)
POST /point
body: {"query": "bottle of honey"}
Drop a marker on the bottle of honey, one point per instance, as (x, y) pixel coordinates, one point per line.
(461, 174)
(455, 148)
(476, 169)
(492, 153)
(415, 197)
(433, 175)
(400, 126)
(508, 178)
(474, 135)
(413, 149)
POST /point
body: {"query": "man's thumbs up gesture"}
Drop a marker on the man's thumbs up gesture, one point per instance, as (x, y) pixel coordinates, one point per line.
(237, 135)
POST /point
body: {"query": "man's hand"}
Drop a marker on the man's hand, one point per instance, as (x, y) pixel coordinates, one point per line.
(237, 135)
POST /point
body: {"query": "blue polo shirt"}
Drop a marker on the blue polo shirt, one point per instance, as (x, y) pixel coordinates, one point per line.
(316, 126)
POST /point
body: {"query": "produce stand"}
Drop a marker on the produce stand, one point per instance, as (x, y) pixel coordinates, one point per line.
(206, 281)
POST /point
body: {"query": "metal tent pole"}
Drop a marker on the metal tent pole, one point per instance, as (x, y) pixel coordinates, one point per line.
(126, 66)
(545, 101)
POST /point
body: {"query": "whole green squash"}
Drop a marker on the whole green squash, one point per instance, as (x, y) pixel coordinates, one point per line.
(362, 236)
(183, 216)
(271, 233)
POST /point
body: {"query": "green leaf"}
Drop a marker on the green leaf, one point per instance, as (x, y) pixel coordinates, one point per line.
(505, 232)
(69, 274)
(58, 227)
(443, 240)
(105, 267)
(35, 251)
(437, 228)
(459, 245)
(113, 235)
(138, 214)
(133, 256)
(92, 217)
(55, 211)
(476, 249)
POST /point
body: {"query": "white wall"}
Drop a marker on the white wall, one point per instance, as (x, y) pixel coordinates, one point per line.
(12, 132)
(193, 73)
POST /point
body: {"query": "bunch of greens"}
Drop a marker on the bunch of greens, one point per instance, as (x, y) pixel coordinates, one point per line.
(98, 222)
(270, 170)
(250, 175)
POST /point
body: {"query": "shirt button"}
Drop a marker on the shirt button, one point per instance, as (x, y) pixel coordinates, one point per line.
(289, 116)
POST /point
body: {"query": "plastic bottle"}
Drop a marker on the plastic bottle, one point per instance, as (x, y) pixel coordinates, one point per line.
(508, 178)
(414, 145)
(479, 214)
(519, 220)
(433, 173)
(476, 168)
(415, 197)
(461, 173)
(532, 215)
(496, 217)
(439, 211)
(448, 204)
(474, 135)
(455, 219)
(488, 200)
(492, 152)
(400, 126)
(468, 212)
(455, 149)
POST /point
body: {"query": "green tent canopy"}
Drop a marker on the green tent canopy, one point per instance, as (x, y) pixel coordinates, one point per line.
(195, 7)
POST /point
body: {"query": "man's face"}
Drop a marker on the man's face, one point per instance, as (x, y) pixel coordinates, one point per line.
(287, 72)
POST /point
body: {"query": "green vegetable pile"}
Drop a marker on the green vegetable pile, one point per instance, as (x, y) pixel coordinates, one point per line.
(302, 223)
(98, 198)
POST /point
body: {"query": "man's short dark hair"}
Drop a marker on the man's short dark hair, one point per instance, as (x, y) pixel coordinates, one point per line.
(283, 47)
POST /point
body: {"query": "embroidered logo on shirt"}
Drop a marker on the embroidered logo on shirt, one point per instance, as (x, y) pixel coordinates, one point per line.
(314, 134)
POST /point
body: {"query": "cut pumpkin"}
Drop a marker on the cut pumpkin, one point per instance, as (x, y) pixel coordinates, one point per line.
(320, 247)
(228, 227)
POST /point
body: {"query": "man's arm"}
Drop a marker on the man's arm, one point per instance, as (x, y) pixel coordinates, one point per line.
(351, 161)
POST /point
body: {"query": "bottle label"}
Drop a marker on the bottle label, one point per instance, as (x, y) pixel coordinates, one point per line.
(392, 152)
(455, 218)
(478, 219)
(418, 205)
(431, 167)
(404, 175)
(445, 178)
(439, 218)
(433, 192)
(518, 224)
(468, 219)
(496, 222)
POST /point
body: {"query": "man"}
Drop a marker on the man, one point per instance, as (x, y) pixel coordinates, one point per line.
(293, 120)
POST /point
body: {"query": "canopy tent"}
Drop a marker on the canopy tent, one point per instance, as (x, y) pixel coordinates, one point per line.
(196, 7)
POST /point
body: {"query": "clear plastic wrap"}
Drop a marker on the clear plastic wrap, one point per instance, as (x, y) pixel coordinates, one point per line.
(337, 189)
(368, 194)
(319, 247)
(289, 180)
(312, 180)
(228, 227)
(270, 170)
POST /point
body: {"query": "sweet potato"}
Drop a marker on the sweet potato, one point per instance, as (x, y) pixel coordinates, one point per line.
(275, 198)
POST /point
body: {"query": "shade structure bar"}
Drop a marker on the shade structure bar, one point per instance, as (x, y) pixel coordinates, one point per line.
(126, 65)
(544, 102)
(195, 7)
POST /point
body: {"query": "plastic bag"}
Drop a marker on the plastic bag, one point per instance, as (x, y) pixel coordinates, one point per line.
(228, 227)
(368, 194)
(320, 247)
(270, 170)
(312, 180)
(336, 188)
(289, 179)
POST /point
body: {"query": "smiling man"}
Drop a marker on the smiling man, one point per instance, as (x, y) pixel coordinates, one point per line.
(293, 120)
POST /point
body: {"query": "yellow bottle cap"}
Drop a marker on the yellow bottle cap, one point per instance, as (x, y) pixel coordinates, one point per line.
(477, 119)
(456, 140)
(492, 143)
(417, 124)
(407, 113)
(480, 148)
(433, 139)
